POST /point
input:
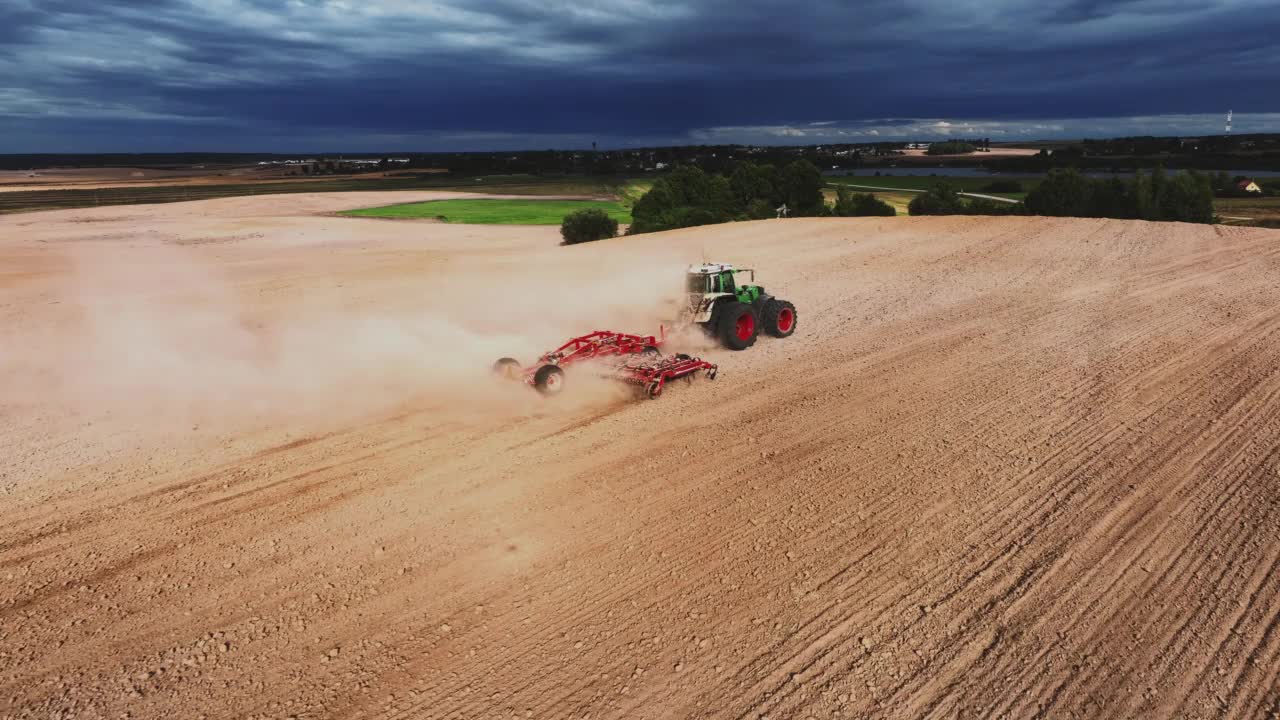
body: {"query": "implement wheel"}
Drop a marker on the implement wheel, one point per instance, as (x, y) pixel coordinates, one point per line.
(507, 368)
(737, 328)
(779, 318)
(549, 380)
(653, 390)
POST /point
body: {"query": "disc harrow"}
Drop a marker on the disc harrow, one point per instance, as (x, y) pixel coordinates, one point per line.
(632, 359)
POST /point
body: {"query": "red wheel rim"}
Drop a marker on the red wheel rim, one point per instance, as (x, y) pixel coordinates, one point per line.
(746, 326)
(553, 381)
(786, 319)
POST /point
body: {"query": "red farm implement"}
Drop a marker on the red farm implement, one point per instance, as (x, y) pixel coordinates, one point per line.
(633, 359)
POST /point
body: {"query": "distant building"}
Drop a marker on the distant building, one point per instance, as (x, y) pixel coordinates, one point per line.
(1249, 186)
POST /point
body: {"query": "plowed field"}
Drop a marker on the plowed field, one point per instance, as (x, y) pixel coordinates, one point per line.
(255, 467)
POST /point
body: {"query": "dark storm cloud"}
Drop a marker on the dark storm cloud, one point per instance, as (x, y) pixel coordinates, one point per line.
(299, 74)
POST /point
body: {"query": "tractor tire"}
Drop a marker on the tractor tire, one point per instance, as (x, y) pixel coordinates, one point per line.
(549, 380)
(508, 368)
(779, 318)
(738, 327)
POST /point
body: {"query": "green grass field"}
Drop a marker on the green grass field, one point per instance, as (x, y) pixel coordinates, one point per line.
(495, 212)
(1261, 211)
(632, 191)
(56, 199)
(899, 200)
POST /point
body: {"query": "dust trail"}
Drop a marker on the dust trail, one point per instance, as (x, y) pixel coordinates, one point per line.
(157, 339)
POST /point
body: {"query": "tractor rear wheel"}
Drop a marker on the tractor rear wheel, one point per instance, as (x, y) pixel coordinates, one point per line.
(549, 380)
(737, 327)
(779, 318)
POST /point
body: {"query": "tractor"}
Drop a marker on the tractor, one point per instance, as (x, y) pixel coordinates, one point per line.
(735, 313)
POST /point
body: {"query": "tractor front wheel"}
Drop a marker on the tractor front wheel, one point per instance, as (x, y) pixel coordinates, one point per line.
(549, 380)
(780, 318)
(737, 328)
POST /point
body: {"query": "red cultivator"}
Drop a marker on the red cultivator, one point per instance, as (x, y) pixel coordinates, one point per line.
(634, 359)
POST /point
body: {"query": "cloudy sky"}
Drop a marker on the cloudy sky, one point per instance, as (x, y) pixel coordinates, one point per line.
(372, 75)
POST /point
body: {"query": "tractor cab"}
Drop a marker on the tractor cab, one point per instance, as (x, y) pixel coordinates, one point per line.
(715, 278)
(707, 283)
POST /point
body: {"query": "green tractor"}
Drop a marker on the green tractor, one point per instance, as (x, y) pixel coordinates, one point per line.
(735, 313)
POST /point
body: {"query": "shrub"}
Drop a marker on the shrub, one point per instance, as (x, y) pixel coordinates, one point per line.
(941, 199)
(851, 204)
(760, 209)
(587, 225)
(868, 205)
(983, 206)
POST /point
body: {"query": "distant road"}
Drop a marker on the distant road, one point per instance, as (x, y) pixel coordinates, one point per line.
(997, 198)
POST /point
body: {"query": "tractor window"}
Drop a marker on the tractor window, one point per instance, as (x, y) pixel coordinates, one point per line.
(726, 282)
(698, 283)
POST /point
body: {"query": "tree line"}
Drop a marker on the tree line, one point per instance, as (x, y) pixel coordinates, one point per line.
(951, 147)
(1182, 197)
(690, 196)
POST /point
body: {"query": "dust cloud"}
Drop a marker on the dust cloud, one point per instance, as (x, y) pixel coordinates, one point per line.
(159, 337)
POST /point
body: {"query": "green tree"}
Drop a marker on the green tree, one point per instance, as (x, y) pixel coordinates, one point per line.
(950, 147)
(801, 188)
(1222, 183)
(750, 182)
(1159, 185)
(1189, 198)
(587, 225)
(1063, 192)
(1113, 198)
(760, 209)
(686, 197)
(1142, 198)
(1186, 197)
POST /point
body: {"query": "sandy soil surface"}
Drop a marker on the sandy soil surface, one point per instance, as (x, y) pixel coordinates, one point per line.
(1006, 467)
(995, 152)
(101, 178)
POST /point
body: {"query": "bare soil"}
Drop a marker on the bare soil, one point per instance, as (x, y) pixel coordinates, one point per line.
(995, 152)
(125, 177)
(255, 467)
